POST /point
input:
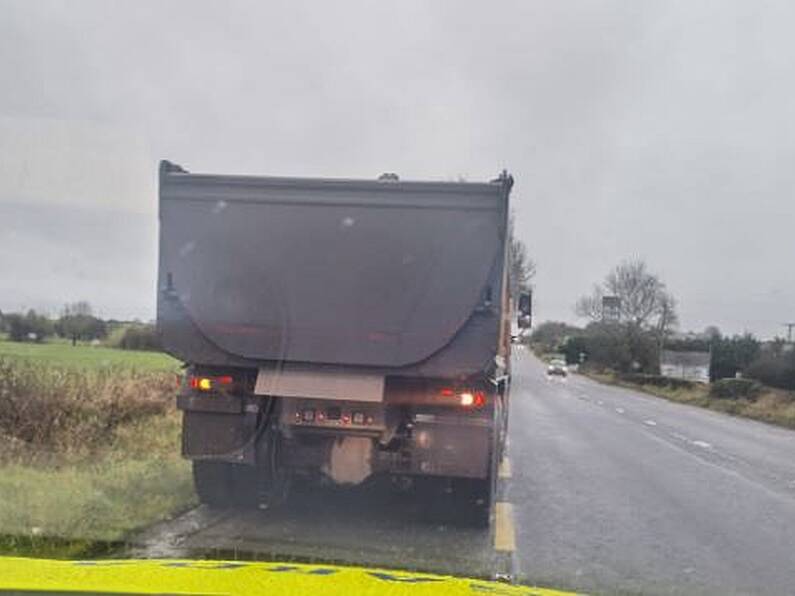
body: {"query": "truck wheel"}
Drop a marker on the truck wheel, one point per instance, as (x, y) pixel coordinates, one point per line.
(221, 485)
(483, 492)
(483, 496)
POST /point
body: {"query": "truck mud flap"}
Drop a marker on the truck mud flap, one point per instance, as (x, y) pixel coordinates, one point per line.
(219, 428)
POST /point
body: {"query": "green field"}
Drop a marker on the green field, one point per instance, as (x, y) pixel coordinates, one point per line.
(62, 353)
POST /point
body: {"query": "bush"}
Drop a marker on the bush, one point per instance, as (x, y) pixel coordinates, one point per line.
(614, 346)
(141, 337)
(776, 371)
(70, 410)
(657, 381)
(550, 335)
(736, 389)
(733, 355)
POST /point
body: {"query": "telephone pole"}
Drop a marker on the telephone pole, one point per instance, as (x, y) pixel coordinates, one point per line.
(789, 327)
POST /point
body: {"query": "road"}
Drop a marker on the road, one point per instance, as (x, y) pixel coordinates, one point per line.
(608, 491)
(616, 491)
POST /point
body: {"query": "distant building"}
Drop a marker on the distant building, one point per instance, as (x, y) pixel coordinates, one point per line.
(692, 366)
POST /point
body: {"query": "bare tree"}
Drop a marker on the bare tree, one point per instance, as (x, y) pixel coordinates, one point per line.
(522, 267)
(78, 322)
(667, 318)
(81, 308)
(640, 292)
(590, 305)
(711, 332)
(644, 302)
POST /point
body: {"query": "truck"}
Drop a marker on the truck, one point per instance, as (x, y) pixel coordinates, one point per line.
(338, 330)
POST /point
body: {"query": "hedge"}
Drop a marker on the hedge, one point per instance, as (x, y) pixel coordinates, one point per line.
(736, 389)
(656, 380)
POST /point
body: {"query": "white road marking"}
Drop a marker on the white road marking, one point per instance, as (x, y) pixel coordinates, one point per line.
(649, 423)
(702, 444)
(620, 410)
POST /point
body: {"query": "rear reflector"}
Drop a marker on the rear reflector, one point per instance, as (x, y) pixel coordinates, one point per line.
(476, 399)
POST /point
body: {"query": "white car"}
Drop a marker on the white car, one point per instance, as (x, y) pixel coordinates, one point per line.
(557, 367)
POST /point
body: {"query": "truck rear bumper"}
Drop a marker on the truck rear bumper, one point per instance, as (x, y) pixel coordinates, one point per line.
(428, 442)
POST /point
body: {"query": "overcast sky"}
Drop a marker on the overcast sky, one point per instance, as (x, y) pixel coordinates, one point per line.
(662, 130)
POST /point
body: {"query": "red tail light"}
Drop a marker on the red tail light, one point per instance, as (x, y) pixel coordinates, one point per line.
(202, 383)
(468, 398)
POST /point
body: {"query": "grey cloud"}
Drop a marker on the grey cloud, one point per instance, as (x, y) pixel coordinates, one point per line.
(655, 129)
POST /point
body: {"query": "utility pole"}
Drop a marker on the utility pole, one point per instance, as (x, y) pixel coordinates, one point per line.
(789, 327)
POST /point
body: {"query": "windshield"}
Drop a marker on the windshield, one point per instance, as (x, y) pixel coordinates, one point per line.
(405, 290)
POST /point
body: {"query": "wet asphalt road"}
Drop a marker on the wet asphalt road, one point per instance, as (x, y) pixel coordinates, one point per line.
(612, 492)
(615, 491)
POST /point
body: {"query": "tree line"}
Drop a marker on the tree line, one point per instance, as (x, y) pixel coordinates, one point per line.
(77, 323)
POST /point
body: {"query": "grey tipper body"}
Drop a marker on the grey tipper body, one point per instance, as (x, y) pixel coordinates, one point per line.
(339, 328)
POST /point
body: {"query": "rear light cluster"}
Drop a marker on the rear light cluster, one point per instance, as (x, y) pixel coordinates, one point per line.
(202, 383)
(465, 398)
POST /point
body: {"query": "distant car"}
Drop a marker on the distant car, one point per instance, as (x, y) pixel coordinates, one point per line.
(557, 367)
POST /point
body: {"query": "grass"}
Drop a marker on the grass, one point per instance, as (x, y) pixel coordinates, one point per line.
(774, 406)
(82, 356)
(95, 501)
(76, 411)
(87, 454)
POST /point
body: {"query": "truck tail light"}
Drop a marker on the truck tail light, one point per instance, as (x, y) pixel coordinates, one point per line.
(201, 383)
(467, 398)
(472, 399)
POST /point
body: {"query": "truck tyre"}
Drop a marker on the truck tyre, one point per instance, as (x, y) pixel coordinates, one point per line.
(222, 485)
(210, 479)
(484, 491)
(483, 497)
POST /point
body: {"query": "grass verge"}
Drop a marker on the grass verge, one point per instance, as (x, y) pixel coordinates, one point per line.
(773, 406)
(86, 456)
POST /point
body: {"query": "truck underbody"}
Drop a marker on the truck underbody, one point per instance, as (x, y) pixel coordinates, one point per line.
(248, 448)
